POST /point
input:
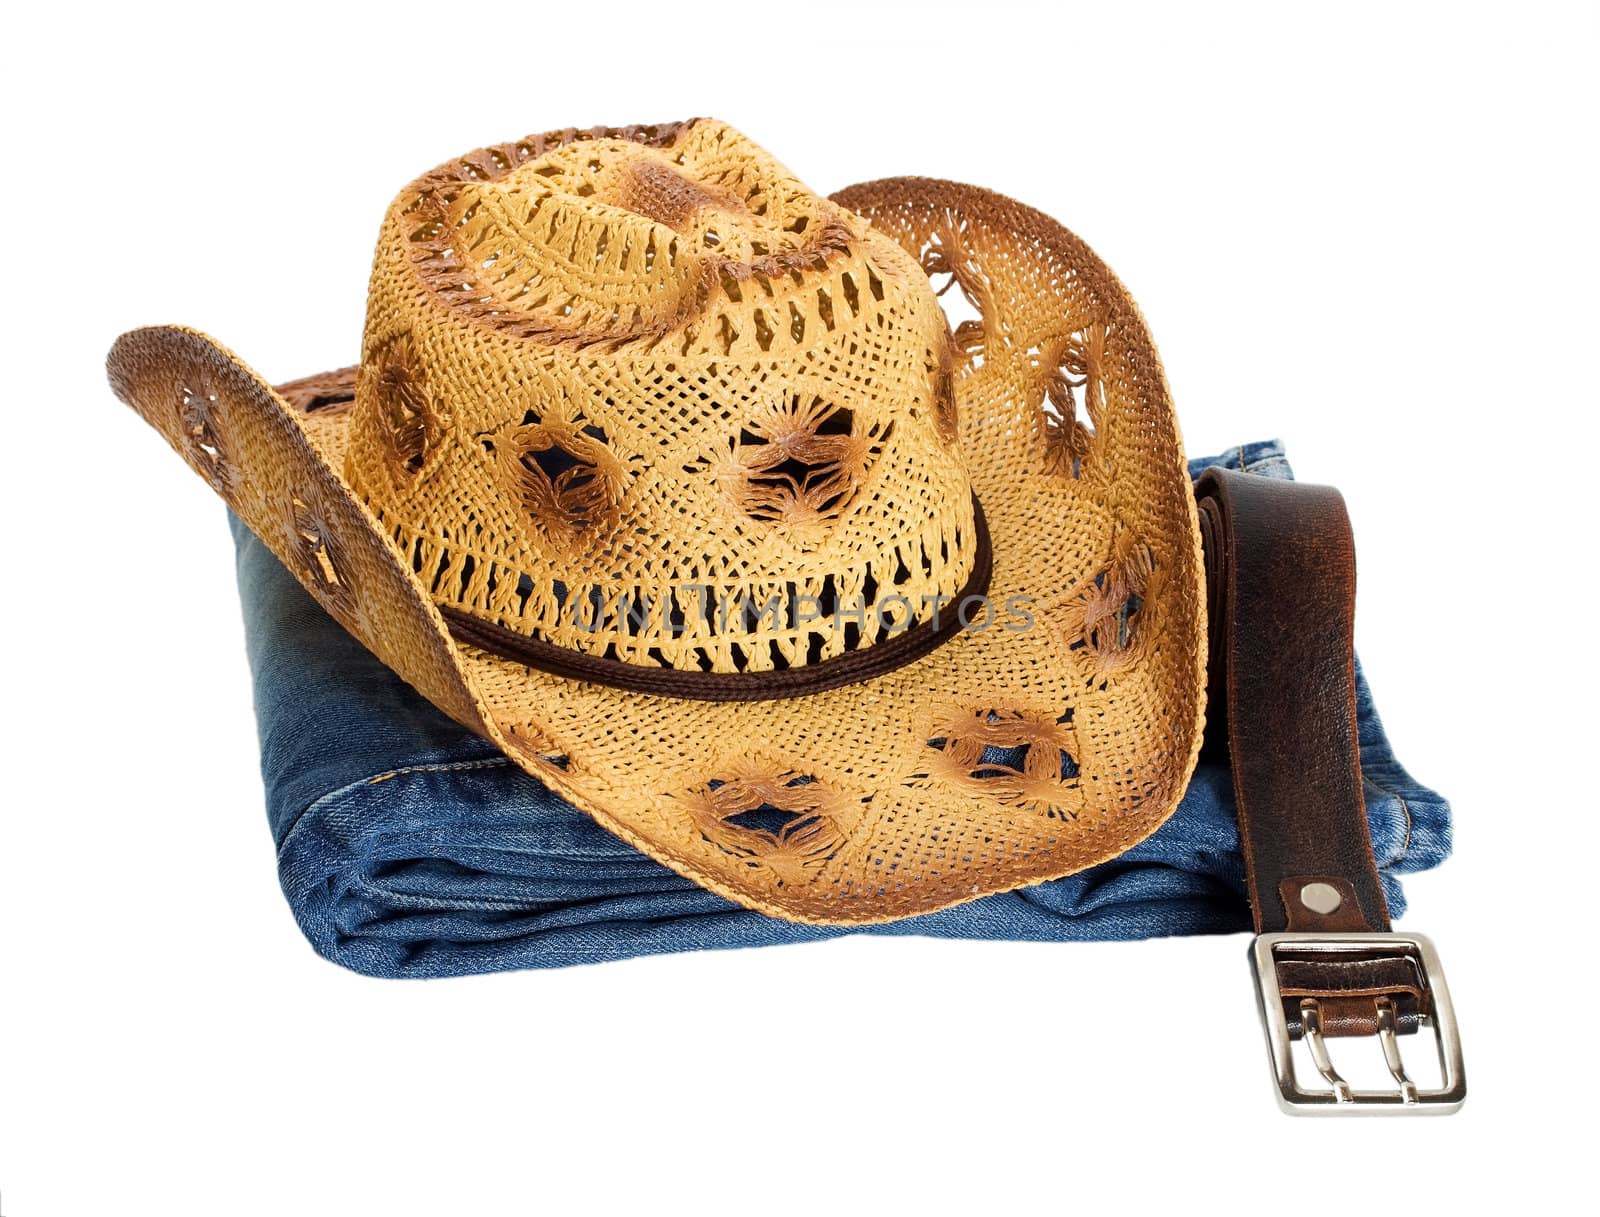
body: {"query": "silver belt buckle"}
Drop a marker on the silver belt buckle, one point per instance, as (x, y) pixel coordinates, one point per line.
(1335, 1096)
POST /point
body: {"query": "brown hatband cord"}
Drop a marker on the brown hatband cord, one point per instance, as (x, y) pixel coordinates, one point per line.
(907, 647)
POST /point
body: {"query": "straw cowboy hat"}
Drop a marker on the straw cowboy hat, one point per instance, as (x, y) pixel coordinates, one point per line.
(670, 478)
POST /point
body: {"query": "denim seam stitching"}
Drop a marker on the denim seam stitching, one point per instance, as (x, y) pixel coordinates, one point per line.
(1405, 810)
(488, 762)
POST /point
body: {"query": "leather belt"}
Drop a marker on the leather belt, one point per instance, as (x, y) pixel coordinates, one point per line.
(1280, 567)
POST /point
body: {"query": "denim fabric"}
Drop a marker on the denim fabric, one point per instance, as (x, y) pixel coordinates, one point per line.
(408, 846)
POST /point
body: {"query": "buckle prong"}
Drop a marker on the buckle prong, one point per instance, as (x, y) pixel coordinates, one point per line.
(1391, 1050)
(1311, 1032)
(1434, 1012)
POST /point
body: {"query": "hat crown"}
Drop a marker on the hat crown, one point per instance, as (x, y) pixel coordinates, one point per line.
(639, 393)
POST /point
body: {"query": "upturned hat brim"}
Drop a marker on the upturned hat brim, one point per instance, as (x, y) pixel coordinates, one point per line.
(1006, 757)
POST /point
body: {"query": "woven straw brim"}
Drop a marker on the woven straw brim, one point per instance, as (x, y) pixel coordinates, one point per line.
(1006, 757)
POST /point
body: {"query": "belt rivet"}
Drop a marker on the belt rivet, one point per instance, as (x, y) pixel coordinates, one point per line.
(1321, 898)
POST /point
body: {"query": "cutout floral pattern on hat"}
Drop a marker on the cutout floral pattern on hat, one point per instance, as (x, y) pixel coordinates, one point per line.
(409, 419)
(775, 818)
(205, 435)
(1009, 755)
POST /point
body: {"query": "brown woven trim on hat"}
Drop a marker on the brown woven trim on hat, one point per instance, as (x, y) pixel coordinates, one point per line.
(850, 668)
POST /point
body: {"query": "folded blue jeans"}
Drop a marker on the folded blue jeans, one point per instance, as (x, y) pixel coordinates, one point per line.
(408, 846)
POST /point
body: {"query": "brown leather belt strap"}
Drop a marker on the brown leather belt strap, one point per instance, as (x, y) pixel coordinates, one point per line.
(1280, 566)
(1281, 585)
(1281, 576)
(1281, 579)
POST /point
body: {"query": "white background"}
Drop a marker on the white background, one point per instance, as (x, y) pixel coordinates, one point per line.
(1367, 229)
